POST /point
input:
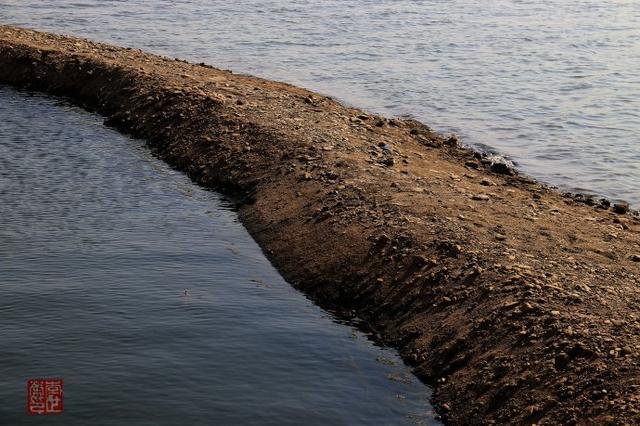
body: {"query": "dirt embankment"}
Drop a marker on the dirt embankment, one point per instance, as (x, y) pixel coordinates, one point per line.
(520, 305)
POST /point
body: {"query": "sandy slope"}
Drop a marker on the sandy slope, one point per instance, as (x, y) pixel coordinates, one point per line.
(518, 303)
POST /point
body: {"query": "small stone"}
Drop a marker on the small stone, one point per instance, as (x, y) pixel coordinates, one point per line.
(487, 182)
(509, 305)
(621, 207)
(452, 140)
(635, 257)
(306, 176)
(472, 164)
(562, 359)
(500, 237)
(501, 168)
(420, 261)
(555, 313)
(480, 197)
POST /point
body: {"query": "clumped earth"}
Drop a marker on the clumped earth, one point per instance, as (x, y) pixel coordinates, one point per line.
(517, 303)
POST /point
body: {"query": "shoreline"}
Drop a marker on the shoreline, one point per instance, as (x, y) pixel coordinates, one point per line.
(515, 302)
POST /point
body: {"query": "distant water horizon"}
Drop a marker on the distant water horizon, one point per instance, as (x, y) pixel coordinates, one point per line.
(551, 85)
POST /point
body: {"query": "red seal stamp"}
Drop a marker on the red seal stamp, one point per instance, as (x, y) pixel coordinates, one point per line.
(45, 396)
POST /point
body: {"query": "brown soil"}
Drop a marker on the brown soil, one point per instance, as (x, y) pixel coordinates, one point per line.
(519, 304)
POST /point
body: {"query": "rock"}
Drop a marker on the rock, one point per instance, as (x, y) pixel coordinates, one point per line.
(501, 168)
(635, 257)
(389, 161)
(420, 261)
(480, 197)
(306, 176)
(487, 182)
(500, 237)
(561, 360)
(621, 207)
(472, 164)
(452, 140)
(330, 175)
(305, 158)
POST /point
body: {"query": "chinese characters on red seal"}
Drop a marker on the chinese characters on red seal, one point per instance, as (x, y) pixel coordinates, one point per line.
(45, 396)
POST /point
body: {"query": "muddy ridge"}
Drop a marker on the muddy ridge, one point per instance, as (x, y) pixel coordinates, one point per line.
(517, 303)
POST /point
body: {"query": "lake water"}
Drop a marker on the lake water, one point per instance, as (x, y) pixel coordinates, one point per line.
(99, 241)
(553, 84)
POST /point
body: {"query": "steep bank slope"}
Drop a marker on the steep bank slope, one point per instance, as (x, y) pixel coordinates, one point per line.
(519, 304)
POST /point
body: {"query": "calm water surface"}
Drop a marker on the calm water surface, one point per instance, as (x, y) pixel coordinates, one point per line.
(98, 243)
(553, 84)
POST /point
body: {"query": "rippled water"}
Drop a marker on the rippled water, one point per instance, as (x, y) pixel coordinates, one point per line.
(98, 243)
(553, 84)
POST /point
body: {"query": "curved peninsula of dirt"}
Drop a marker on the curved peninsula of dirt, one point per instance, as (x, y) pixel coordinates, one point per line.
(517, 303)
